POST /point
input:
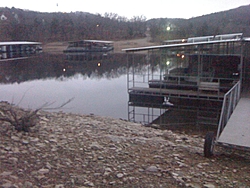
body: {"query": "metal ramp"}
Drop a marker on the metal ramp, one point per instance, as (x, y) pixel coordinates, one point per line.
(234, 125)
(237, 130)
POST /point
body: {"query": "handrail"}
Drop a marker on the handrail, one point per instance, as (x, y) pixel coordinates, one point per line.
(139, 78)
(231, 99)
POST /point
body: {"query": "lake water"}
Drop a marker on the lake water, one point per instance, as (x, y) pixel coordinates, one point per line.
(97, 82)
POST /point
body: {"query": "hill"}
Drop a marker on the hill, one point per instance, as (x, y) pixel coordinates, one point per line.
(17, 24)
(231, 21)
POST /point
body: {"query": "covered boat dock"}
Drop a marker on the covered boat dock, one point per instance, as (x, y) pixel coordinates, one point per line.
(193, 71)
(89, 46)
(18, 49)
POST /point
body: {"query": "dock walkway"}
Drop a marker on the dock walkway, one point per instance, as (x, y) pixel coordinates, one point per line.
(189, 94)
(237, 130)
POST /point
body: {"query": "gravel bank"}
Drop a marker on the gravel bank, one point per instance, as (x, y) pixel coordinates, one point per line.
(71, 150)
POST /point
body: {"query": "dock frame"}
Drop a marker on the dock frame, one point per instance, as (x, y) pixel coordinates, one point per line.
(210, 68)
(160, 73)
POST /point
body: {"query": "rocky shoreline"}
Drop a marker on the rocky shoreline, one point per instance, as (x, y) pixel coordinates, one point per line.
(72, 150)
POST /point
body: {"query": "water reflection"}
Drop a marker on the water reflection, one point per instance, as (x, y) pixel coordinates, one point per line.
(62, 67)
(182, 113)
(97, 82)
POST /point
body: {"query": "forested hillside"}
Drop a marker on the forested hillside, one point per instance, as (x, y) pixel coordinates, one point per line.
(231, 21)
(17, 24)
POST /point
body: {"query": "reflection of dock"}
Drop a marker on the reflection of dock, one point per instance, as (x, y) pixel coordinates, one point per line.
(186, 119)
(184, 107)
(85, 56)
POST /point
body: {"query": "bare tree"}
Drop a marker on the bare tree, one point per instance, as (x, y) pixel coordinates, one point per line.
(23, 120)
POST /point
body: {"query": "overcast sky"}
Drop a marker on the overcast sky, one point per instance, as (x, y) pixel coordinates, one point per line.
(130, 8)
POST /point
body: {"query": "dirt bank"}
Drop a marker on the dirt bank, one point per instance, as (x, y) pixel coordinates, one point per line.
(70, 150)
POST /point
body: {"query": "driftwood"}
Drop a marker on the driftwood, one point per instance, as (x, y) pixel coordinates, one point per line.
(23, 120)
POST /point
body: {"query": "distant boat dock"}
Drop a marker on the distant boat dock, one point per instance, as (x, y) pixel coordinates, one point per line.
(17, 49)
(89, 46)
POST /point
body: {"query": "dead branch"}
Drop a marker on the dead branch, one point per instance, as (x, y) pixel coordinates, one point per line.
(23, 120)
(45, 107)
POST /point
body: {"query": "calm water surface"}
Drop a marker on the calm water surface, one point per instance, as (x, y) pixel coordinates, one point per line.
(97, 83)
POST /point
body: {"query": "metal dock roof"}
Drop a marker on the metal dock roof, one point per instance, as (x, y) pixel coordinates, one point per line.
(95, 41)
(19, 43)
(195, 41)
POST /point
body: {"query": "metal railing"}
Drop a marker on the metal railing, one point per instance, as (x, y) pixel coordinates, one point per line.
(144, 80)
(231, 99)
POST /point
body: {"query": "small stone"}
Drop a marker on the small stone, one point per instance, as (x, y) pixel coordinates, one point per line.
(176, 155)
(7, 148)
(199, 166)
(44, 119)
(100, 158)
(59, 186)
(95, 146)
(40, 177)
(15, 150)
(41, 145)
(34, 139)
(28, 184)
(167, 135)
(48, 165)
(5, 173)
(208, 185)
(15, 138)
(108, 169)
(175, 174)
(120, 175)
(112, 183)
(7, 185)
(13, 159)
(90, 184)
(152, 169)
(205, 164)
(43, 171)
(53, 140)
(13, 177)
(25, 142)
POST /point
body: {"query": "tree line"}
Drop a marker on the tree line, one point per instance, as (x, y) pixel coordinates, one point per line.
(232, 21)
(48, 27)
(17, 24)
